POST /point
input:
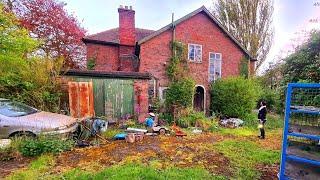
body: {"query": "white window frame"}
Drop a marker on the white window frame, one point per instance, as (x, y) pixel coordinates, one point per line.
(214, 69)
(194, 60)
(161, 89)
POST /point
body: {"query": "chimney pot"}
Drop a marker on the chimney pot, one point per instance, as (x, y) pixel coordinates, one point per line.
(126, 7)
(130, 7)
(121, 6)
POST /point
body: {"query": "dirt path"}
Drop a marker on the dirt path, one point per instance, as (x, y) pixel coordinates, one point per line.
(12, 162)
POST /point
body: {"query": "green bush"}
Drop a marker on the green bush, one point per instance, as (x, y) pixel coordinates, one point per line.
(180, 93)
(234, 97)
(167, 117)
(35, 147)
(192, 119)
(271, 97)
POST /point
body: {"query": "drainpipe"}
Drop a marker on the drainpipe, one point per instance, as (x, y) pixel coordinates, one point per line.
(173, 34)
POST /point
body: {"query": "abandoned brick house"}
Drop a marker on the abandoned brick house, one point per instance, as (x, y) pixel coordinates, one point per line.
(212, 53)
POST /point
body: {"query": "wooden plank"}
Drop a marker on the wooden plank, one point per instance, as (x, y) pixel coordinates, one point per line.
(91, 100)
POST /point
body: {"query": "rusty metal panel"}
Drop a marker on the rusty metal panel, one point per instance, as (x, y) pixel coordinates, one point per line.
(81, 99)
(73, 98)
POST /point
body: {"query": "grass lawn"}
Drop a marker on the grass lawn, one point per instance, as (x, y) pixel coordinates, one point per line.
(223, 154)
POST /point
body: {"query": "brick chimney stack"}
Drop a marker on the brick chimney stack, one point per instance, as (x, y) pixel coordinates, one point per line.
(127, 34)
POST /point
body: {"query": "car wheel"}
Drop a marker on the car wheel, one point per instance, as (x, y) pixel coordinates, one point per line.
(162, 131)
(22, 134)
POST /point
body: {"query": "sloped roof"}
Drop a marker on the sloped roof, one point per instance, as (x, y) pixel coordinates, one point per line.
(112, 35)
(206, 11)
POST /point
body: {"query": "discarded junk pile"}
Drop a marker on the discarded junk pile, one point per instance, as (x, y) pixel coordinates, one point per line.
(231, 122)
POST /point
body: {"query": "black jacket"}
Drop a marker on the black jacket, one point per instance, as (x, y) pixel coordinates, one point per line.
(262, 113)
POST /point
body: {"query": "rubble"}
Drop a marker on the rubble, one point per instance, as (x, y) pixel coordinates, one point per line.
(4, 143)
(231, 122)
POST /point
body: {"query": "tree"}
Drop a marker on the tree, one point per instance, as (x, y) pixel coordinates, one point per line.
(23, 76)
(304, 63)
(15, 44)
(249, 21)
(59, 32)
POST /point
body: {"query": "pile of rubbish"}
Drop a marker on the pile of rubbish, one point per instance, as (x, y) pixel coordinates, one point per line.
(231, 122)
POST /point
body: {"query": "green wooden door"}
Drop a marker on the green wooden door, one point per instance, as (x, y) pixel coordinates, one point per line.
(118, 98)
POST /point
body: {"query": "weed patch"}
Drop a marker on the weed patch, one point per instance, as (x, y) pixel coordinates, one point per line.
(245, 156)
(35, 147)
(36, 170)
(138, 171)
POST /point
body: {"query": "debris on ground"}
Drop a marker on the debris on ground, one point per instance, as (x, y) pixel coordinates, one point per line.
(4, 143)
(130, 138)
(231, 122)
(178, 131)
(120, 136)
(162, 130)
(196, 131)
(136, 130)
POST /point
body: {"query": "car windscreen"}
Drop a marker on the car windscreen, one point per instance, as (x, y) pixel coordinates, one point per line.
(15, 109)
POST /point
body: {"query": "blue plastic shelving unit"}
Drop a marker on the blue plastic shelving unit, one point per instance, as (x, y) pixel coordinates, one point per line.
(293, 108)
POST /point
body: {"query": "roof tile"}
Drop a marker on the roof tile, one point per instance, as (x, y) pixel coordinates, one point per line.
(112, 35)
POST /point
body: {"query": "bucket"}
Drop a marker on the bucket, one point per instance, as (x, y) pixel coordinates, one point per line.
(130, 138)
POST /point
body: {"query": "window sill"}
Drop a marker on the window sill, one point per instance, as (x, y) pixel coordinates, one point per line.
(196, 62)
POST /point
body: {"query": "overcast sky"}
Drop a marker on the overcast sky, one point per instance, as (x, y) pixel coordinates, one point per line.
(290, 16)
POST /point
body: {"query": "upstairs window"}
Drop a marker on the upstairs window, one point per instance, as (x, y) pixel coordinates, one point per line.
(215, 60)
(195, 52)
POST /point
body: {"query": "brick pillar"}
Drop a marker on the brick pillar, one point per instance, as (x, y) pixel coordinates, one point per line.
(141, 99)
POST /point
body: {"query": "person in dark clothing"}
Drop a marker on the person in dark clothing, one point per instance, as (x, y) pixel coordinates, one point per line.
(262, 119)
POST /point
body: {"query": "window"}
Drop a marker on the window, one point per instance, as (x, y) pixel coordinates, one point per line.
(162, 93)
(214, 66)
(14, 109)
(195, 52)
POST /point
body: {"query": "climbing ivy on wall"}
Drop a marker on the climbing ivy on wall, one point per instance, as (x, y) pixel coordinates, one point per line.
(181, 87)
(178, 65)
(243, 68)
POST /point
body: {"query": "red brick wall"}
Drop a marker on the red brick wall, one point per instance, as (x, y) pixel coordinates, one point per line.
(106, 57)
(199, 29)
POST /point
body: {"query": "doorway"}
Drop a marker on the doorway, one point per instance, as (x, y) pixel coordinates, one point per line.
(199, 99)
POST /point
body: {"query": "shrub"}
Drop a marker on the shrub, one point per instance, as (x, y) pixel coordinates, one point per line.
(271, 97)
(167, 117)
(234, 97)
(180, 93)
(192, 119)
(35, 147)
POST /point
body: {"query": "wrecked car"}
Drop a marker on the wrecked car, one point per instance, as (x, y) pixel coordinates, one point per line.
(17, 119)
